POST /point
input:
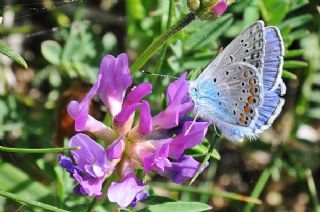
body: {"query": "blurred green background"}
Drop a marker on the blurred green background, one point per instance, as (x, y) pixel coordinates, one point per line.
(63, 42)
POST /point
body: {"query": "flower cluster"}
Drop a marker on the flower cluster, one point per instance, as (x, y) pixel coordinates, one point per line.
(154, 143)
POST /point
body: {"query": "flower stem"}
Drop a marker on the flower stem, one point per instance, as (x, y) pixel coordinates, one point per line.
(159, 41)
(164, 48)
(47, 150)
(212, 146)
(212, 192)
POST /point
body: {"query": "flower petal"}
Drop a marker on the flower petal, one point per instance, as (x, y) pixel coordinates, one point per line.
(145, 122)
(140, 196)
(89, 185)
(192, 134)
(91, 157)
(138, 93)
(158, 159)
(178, 89)
(67, 164)
(123, 120)
(179, 103)
(126, 191)
(182, 170)
(115, 150)
(85, 122)
(115, 80)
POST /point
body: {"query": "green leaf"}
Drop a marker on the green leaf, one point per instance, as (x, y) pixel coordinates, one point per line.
(177, 207)
(154, 200)
(4, 49)
(315, 96)
(314, 113)
(51, 51)
(289, 64)
(298, 4)
(294, 53)
(274, 11)
(289, 75)
(208, 33)
(316, 79)
(296, 21)
(15, 181)
(203, 150)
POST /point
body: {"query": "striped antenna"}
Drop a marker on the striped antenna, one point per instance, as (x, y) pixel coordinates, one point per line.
(158, 75)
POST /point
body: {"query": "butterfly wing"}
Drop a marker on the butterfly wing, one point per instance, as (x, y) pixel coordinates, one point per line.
(231, 95)
(272, 83)
(249, 47)
(225, 98)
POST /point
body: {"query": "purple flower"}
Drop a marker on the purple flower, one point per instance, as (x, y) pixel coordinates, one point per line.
(128, 190)
(154, 143)
(92, 166)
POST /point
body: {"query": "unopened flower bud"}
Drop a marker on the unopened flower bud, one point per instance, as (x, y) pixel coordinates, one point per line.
(208, 9)
(194, 5)
(219, 8)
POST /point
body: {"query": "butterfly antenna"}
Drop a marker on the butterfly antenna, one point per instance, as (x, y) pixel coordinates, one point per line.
(158, 75)
(194, 121)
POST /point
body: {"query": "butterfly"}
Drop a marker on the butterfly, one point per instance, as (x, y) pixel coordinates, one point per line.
(241, 90)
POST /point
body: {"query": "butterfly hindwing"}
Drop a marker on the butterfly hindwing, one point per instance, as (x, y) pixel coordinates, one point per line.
(234, 94)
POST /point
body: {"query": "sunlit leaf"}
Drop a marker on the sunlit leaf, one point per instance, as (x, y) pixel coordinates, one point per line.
(177, 207)
(51, 51)
(4, 49)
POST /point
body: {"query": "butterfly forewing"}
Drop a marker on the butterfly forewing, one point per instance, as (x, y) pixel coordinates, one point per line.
(248, 47)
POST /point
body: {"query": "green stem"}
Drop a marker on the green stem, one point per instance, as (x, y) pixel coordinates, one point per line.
(206, 158)
(47, 150)
(159, 41)
(164, 48)
(263, 179)
(211, 192)
(312, 189)
(28, 201)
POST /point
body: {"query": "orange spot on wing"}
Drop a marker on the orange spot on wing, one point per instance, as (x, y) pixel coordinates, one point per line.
(247, 108)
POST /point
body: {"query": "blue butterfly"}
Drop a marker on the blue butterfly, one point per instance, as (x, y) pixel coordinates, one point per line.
(240, 90)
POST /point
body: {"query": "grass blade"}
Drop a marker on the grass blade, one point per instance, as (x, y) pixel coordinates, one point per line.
(264, 177)
(28, 201)
(212, 192)
(312, 189)
(47, 150)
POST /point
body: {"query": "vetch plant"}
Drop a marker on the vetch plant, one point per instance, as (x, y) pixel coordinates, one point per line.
(154, 144)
